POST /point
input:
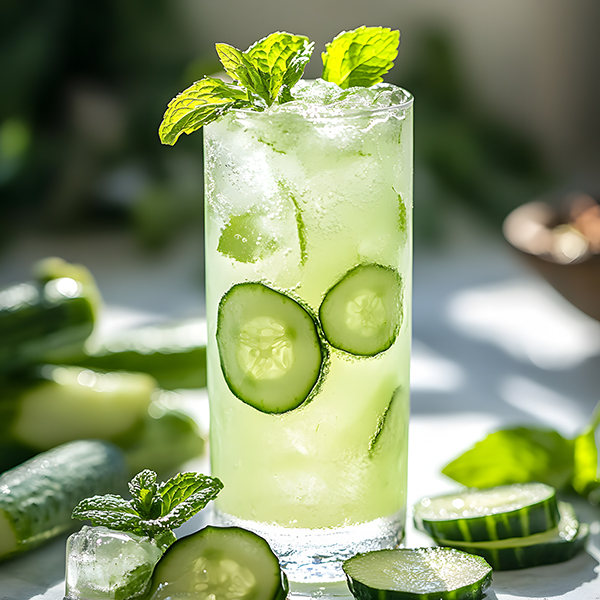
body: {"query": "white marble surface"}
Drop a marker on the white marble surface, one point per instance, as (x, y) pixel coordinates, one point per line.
(493, 346)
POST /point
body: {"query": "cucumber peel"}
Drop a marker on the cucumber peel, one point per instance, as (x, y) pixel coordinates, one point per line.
(553, 546)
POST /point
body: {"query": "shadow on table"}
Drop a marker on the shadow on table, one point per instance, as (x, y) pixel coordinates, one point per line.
(34, 572)
(547, 581)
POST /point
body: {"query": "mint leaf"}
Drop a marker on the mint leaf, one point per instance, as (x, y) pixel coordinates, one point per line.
(280, 58)
(186, 494)
(199, 105)
(516, 455)
(108, 511)
(241, 69)
(270, 67)
(360, 57)
(154, 509)
(143, 489)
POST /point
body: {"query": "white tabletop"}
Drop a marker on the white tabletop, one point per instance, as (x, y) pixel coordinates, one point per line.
(494, 346)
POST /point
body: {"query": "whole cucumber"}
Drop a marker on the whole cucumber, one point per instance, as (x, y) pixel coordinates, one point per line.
(37, 497)
(46, 318)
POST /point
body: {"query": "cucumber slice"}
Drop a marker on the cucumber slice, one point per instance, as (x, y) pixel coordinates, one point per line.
(269, 347)
(219, 562)
(557, 545)
(417, 574)
(362, 313)
(492, 514)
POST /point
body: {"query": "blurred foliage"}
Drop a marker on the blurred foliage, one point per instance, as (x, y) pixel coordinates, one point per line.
(463, 155)
(84, 87)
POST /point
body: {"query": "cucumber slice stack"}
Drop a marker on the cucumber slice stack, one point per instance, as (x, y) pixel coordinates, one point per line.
(512, 527)
(417, 574)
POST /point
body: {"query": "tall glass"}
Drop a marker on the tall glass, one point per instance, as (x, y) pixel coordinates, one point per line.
(309, 279)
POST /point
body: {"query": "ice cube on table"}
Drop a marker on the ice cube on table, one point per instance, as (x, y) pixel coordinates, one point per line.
(103, 564)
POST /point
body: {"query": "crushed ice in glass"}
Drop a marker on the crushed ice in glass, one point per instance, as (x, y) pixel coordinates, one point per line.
(103, 564)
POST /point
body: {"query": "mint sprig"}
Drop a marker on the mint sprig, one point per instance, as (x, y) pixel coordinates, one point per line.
(360, 57)
(155, 509)
(270, 67)
(265, 73)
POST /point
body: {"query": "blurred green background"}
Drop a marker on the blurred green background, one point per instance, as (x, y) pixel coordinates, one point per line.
(506, 105)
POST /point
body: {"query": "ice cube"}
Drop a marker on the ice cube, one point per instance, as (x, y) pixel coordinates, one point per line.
(103, 564)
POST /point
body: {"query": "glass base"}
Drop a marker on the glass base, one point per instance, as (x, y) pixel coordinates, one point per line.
(316, 555)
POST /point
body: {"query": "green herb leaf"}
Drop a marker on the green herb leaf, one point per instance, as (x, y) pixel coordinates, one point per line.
(270, 67)
(360, 57)
(143, 489)
(198, 105)
(154, 509)
(586, 475)
(108, 511)
(516, 455)
(280, 58)
(240, 69)
(186, 494)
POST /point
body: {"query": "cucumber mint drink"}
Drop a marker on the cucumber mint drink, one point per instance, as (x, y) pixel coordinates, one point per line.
(308, 271)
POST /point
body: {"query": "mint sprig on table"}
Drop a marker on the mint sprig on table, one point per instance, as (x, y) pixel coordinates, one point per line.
(155, 509)
(266, 72)
(522, 454)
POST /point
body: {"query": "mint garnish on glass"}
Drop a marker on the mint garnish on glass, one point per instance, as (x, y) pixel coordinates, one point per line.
(155, 509)
(266, 72)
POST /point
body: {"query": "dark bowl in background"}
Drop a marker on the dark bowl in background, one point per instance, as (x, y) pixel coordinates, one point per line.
(561, 241)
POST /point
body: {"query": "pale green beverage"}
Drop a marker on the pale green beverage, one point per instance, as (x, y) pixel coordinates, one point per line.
(308, 271)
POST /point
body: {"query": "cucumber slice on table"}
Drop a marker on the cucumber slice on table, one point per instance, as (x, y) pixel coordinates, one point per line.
(417, 574)
(270, 352)
(497, 513)
(219, 562)
(362, 313)
(37, 497)
(556, 545)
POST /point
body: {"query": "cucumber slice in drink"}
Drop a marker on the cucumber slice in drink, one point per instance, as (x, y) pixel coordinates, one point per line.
(362, 313)
(219, 562)
(557, 545)
(497, 513)
(269, 347)
(417, 574)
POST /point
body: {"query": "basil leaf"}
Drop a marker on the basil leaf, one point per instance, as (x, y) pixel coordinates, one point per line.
(199, 105)
(360, 57)
(516, 455)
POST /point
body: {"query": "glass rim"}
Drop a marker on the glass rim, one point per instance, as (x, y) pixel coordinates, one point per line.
(405, 104)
